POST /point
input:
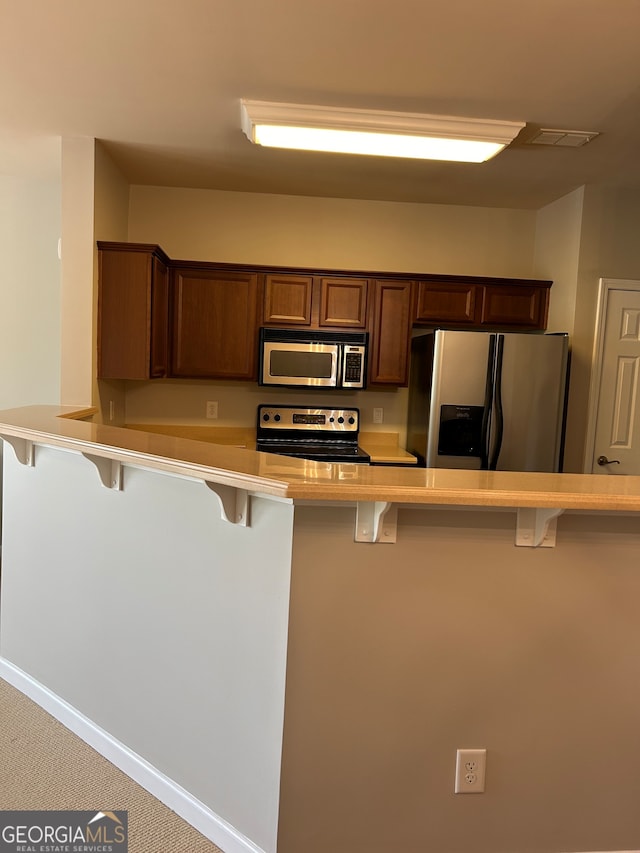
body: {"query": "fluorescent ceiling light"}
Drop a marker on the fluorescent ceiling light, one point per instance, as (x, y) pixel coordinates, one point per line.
(383, 134)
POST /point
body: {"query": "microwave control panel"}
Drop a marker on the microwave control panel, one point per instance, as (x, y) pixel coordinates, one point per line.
(308, 419)
(353, 367)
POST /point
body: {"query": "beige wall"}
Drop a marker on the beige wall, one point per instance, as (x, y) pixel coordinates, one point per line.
(111, 202)
(111, 212)
(557, 247)
(30, 293)
(77, 350)
(337, 233)
(455, 638)
(95, 200)
(30, 228)
(184, 402)
(609, 248)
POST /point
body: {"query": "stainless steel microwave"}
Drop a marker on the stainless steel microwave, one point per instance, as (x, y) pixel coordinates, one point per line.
(311, 359)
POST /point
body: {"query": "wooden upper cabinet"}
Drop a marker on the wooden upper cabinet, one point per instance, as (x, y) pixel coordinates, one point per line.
(390, 332)
(317, 302)
(287, 300)
(447, 302)
(214, 324)
(343, 302)
(524, 306)
(132, 311)
(193, 319)
(500, 304)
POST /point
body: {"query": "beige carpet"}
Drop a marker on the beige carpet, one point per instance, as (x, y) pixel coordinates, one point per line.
(45, 766)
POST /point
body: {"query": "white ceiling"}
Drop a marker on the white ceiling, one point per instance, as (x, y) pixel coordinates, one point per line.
(160, 82)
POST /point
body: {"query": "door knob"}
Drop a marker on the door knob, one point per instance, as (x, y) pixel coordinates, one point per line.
(602, 460)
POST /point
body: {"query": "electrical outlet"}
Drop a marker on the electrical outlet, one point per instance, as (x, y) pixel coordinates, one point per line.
(470, 771)
(212, 409)
(378, 415)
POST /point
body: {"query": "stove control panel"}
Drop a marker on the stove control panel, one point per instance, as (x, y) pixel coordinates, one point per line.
(308, 419)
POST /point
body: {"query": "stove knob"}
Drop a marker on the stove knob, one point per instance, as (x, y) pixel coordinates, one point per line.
(352, 420)
(341, 420)
(331, 419)
(265, 417)
(276, 417)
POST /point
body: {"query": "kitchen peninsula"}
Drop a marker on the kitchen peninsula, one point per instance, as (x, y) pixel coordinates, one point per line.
(289, 653)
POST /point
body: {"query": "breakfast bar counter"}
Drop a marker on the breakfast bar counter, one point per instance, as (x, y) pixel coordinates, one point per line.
(233, 463)
(289, 653)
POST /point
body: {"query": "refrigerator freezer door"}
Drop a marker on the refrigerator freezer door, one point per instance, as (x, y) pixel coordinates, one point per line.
(534, 371)
(460, 365)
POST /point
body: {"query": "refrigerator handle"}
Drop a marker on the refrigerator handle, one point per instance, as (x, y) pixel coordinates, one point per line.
(497, 406)
(486, 414)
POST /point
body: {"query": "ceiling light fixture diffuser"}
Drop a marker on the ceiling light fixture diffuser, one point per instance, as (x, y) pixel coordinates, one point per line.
(382, 134)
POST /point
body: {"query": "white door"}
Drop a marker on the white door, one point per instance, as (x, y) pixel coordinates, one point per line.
(616, 434)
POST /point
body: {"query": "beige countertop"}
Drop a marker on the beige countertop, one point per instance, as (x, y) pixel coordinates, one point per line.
(381, 446)
(231, 436)
(300, 479)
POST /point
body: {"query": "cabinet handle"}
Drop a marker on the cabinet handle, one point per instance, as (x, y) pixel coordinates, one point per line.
(602, 460)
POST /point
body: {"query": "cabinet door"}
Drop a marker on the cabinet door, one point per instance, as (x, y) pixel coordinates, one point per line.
(390, 332)
(214, 324)
(522, 306)
(287, 300)
(447, 302)
(343, 302)
(132, 312)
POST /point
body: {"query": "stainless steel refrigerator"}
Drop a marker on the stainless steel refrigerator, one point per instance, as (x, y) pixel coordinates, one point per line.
(487, 400)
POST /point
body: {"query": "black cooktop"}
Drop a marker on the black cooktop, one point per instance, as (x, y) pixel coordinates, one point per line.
(316, 451)
(318, 434)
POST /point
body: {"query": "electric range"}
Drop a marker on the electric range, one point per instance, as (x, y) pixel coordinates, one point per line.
(319, 434)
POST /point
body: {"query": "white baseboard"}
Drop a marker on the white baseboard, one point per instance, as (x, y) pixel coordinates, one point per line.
(207, 822)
